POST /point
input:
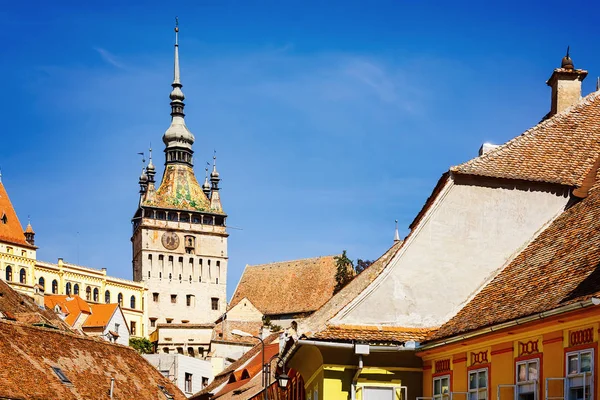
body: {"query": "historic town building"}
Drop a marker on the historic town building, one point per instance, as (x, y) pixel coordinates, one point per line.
(179, 233)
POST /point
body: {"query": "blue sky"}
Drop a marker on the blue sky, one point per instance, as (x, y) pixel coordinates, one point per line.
(329, 120)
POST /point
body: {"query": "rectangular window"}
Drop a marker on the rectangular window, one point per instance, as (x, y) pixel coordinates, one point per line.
(188, 383)
(441, 387)
(204, 382)
(580, 372)
(173, 298)
(133, 326)
(152, 322)
(527, 379)
(189, 300)
(214, 303)
(478, 384)
(61, 375)
(169, 320)
(155, 297)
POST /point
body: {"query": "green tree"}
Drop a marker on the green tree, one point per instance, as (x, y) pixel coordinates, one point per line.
(361, 265)
(344, 271)
(142, 345)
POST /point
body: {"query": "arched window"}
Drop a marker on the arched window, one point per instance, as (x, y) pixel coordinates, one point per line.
(9, 273)
(68, 288)
(55, 287)
(132, 302)
(107, 297)
(76, 289)
(88, 293)
(42, 283)
(96, 294)
(23, 276)
(120, 299)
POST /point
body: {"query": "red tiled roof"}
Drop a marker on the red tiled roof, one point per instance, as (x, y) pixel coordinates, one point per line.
(27, 355)
(287, 287)
(72, 306)
(372, 334)
(561, 266)
(10, 231)
(558, 150)
(101, 315)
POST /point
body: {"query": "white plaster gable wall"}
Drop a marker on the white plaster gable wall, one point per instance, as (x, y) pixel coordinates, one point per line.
(468, 234)
(175, 366)
(244, 310)
(123, 332)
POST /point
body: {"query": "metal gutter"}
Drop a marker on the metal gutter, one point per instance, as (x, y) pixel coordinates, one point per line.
(372, 348)
(594, 301)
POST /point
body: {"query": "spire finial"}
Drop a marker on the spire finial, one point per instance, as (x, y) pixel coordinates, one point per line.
(396, 235)
(567, 62)
(176, 79)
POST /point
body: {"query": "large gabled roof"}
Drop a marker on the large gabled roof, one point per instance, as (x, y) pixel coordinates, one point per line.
(11, 230)
(101, 315)
(559, 267)
(558, 150)
(287, 287)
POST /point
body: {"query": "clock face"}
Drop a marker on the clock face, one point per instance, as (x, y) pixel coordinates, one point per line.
(170, 240)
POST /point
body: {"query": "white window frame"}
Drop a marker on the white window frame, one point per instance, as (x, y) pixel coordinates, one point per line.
(521, 384)
(478, 389)
(441, 395)
(580, 376)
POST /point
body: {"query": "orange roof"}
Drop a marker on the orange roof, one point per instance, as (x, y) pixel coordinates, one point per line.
(560, 267)
(101, 314)
(289, 286)
(558, 150)
(373, 334)
(72, 306)
(10, 228)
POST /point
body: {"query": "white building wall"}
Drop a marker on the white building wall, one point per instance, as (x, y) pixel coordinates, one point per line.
(466, 236)
(175, 366)
(122, 330)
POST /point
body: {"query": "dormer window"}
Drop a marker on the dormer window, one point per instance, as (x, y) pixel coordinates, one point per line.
(4, 218)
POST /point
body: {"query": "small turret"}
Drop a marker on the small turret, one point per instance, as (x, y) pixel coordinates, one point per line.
(143, 181)
(206, 185)
(29, 234)
(396, 234)
(215, 197)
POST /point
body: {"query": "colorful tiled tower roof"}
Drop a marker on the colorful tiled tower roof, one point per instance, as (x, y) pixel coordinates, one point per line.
(11, 230)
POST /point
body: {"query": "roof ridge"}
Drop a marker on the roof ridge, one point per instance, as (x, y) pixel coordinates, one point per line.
(558, 117)
(292, 261)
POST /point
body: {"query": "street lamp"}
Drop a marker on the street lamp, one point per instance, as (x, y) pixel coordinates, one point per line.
(240, 333)
(282, 380)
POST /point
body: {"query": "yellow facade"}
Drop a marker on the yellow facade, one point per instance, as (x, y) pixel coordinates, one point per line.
(19, 268)
(555, 358)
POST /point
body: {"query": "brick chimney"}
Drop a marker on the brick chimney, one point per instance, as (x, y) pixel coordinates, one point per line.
(566, 85)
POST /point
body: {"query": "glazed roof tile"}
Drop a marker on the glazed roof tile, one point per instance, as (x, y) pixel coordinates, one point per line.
(11, 229)
(179, 190)
(560, 267)
(287, 287)
(540, 153)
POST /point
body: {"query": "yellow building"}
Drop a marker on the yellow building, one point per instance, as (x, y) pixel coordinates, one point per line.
(19, 267)
(532, 332)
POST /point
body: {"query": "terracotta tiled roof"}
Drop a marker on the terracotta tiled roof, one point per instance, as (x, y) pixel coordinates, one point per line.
(72, 306)
(540, 154)
(287, 287)
(222, 331)
(225, 375)
(560, 267)
(320, 318)
(28, 354)
(10, 228)
(179, 190)
(372, 334)
(101, 315)
(24, 309)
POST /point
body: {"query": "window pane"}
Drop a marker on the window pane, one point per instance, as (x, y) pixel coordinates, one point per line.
(572, 362)
(483, 394)
(522, 372)
(482, 379)
(473, 396)
(533, 371)
(445, 385)
(436, 387)
(473, 381)
(586, 362)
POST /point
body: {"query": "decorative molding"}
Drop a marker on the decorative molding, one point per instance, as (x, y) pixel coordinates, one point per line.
(581, 336)
(530, 347)
(479, 357)
(442, 365)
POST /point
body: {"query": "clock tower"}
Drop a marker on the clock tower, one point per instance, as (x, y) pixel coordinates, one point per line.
(179, 231)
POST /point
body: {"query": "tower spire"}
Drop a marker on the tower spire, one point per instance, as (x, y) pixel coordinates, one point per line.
(178, 139)
(206, 185)
(215, 197)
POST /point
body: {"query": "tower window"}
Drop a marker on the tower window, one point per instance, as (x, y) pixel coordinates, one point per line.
(152, 322)
(173, 298)
(214, 303)
(189, 300)
(155, 296)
